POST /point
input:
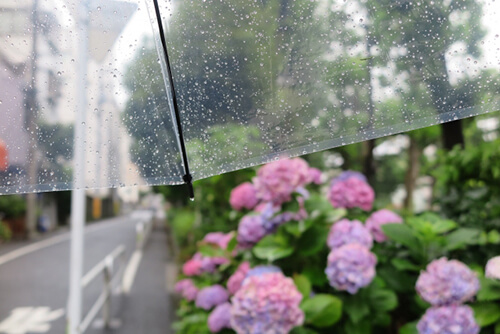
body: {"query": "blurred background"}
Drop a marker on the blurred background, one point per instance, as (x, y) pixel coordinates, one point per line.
(407, 94)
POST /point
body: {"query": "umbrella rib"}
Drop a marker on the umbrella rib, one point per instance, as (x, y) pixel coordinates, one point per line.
(187, 178)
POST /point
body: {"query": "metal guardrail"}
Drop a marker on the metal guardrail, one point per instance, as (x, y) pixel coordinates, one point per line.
(106, 267)
(143, 231)
(112, 277)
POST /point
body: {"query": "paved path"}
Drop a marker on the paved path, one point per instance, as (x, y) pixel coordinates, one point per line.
(34, 282)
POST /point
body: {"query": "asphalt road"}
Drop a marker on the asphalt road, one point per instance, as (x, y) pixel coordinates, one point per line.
(34, 286)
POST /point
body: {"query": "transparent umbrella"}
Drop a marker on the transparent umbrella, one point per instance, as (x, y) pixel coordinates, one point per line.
(246, 82)
(98, 93)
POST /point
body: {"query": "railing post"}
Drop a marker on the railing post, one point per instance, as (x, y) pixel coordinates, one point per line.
(106, 309)
(139, 229)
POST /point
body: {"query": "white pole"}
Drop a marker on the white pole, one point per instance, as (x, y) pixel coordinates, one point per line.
(78, 195)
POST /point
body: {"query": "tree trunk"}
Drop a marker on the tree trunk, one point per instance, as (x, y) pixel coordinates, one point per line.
(412, 173)
(452, 134)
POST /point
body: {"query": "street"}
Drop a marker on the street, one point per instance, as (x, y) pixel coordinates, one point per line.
(34, 281)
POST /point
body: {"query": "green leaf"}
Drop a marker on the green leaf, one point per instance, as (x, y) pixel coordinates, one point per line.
(232, 244)
(497, 328)
(462, 237)
(211, 250)
(297, 228)
(302, 330)
(494, 237)
(409, 328)
(315, 275)
(486, 313)
(399, 281)
(356, 307)
(403, 264)
(318, 203)
(443, 226)
(363, 327)
(402, 234)
(312, 241)
(382, 319)
(322, 310)
(383, 299)
(490, 289)
(302, 284)
(272, 247)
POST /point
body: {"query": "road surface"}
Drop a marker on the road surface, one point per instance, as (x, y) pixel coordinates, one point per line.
(34, 282)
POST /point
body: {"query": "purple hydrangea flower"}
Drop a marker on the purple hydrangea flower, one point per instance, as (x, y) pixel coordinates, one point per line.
(350, 267)
(493, 268)
(261, 270)
(447, 282)
(187, 289)
(349, 174)
(234, 282)
(251, 230)
(266, 303)
(200, 264)
(351, 193)
(211, 296)
(379, 218)
(220, 318)
(276, 181)
(448, 320)
(244, 196)
(346, 232)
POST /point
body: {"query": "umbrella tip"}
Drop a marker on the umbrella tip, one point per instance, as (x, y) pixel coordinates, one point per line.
(188, 180)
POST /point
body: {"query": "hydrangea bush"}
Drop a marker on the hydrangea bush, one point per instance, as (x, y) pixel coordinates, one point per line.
(312, 258)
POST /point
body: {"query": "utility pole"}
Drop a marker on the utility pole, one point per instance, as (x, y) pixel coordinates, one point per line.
(31, 127)
(78, 195)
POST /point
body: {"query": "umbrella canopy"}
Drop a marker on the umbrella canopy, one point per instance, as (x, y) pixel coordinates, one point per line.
(207, 87)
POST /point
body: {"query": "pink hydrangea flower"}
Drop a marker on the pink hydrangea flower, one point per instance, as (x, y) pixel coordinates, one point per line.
(350, 267)
(234, 282)
(447, 282)
(211, 296)
(200, 264)
(351, 193)
(193, 267)
(244, 196)
(377, 219)
(493, 268)
(315, 175)
(266, 303)
(218, 238)
(278, 180)
(448, 320)
(220, 318)
(347, 232)
(187, 289)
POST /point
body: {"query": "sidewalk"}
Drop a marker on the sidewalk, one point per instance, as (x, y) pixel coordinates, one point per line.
(147, 309)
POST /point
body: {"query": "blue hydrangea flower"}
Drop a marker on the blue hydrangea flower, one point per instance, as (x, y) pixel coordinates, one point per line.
(447, 282)
(448, 320)
(350, 267)
(347, 232)
(211, 296)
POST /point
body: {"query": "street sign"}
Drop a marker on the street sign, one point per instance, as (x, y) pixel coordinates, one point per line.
(4, 162)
